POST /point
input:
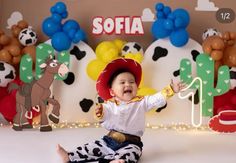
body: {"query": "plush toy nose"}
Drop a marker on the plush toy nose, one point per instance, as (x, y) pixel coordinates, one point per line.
(63, 69)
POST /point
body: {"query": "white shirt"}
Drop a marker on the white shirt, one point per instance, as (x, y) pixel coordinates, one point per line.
(129, 117)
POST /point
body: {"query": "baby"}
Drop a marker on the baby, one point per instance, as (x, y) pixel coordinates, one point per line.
(123, 115)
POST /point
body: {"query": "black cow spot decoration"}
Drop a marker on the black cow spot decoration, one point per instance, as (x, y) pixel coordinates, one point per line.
(97, 152)
(125, 48)
(159, 52)
(2, 68)
(98, 143)
(10, 75)
(86, 104)
(232, 74)
(78, 53)
(70, 78)
(137, 47)
(161, 108)
(176, 73)
(194, 54)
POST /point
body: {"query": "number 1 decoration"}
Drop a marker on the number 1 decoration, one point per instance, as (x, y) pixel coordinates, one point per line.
(192, 97)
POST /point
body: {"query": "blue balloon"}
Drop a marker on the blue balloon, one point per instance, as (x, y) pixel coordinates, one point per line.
(168, 24)
(60, 7)
(64, 15)
(159, 6)
(79, 35)
(179, 23)
(71, 33)
(159, 30)
(179, 37)
(60, 41)
(53, 10)
(70, 24)
(56, 18)
(160, 15)
(167, 10)
(49, 27)
(182, 14)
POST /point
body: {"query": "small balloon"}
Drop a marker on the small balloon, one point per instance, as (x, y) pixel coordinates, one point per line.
(179, 23)
(168, 24)
(158, 29)
(119, 44)
(167, 10)
(50, 27)
(183, 15)
(64, 15)
(143, 91)
(71, 33)
(56, 18)
(60, 41)
(159, 6)
(107, 51)
(179, 38)
(94, 68)
(13, 50)
(4, 40)
(60, 7)
(5, 56)
(79, 35)
(70, 24)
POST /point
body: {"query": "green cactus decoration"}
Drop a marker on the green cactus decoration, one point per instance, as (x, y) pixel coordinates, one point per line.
(205, 70)
(42, 52)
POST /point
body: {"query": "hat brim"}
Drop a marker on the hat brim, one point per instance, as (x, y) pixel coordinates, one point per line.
(215, 125)
(130, 65)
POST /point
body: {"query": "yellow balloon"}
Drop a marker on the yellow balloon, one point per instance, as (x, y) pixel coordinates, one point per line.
(107, 51)
(119, 44)
(138, 57)
(143, 91)
(141, 82)
(94, 68)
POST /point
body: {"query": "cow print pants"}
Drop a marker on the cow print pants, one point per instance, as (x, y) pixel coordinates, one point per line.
(99, 151)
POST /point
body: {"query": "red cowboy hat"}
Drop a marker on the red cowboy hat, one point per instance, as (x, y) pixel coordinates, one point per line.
(129, 65)
(224, 122)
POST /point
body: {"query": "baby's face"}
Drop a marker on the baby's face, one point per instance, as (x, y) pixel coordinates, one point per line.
(124, 87)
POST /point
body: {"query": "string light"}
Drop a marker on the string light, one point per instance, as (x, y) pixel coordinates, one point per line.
(75, 125)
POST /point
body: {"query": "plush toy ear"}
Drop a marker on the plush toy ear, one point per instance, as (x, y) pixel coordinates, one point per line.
(43, 65)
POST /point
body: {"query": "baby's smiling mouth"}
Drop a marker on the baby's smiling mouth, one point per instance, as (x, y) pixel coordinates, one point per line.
(127, 91)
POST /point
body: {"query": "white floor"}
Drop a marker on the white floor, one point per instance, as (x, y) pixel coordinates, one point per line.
(160, 146)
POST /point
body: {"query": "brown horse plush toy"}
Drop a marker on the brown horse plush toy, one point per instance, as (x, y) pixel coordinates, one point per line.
(36, 95)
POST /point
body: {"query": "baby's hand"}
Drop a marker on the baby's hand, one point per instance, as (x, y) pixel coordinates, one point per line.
(99, 111)
(177, 87)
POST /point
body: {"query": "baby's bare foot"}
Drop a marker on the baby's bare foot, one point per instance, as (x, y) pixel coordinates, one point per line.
(118, 161)
(63, 154)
